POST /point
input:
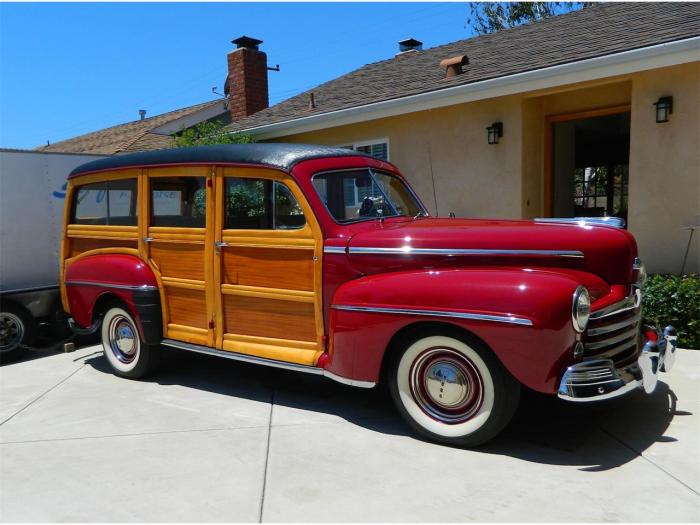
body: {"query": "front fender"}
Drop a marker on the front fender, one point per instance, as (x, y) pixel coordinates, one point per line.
(523, 315)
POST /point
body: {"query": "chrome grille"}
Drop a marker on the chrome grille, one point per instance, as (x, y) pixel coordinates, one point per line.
(614, 332)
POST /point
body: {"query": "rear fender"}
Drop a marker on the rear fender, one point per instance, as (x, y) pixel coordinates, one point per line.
(127, 278)
(523, 315)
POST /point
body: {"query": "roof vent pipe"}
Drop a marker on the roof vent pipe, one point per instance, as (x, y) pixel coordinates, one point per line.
(453, 66)
(312, 101)
(142, 113)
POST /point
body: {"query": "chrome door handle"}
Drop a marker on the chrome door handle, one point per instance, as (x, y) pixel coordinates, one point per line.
(148, 239)
(218, 245)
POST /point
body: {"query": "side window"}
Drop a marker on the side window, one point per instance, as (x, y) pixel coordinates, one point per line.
(179, 202)
(112, 203)
(259, 204)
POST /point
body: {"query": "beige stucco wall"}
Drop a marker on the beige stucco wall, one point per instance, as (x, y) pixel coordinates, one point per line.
(446, 149)
(664, 191)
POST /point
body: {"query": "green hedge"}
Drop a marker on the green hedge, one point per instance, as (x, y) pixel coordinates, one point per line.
(674, 300)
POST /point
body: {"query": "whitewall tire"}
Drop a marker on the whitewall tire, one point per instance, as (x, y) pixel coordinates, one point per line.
(452, 389)
(125, 351)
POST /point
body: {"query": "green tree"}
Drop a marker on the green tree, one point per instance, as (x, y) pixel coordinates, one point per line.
(210, 132)
(487, 17)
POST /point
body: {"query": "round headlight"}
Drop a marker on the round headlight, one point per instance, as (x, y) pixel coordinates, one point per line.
(581, 309)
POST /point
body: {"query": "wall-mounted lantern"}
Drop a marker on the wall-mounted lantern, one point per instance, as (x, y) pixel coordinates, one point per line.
(664, 107)
(495, 131)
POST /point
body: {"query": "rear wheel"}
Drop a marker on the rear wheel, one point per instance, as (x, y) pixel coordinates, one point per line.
(126, 353)
(17, 330)
(451, 389)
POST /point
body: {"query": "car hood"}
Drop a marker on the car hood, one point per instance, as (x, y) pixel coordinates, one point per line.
(602, 250)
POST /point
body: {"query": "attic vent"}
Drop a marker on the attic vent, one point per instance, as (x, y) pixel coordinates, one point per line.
(454, 65)
(409, 45)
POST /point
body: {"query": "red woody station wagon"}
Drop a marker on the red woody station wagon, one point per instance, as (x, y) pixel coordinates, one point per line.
(324, 261)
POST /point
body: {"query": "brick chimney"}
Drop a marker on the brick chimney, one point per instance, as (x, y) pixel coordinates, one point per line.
(247, 78)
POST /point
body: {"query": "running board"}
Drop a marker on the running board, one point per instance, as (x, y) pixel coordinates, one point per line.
(266, 362)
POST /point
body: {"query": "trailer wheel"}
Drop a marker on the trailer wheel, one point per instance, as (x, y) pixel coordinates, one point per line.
(452, 389)
(17, 330)
(126, 353)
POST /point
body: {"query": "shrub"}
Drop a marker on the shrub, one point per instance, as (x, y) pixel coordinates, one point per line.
(674, 300)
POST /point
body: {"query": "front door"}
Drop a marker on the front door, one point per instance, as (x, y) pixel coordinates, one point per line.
(267, 267)
(590, 164)
(179, 249)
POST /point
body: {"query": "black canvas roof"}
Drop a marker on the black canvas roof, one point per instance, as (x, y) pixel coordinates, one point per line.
(275, 155)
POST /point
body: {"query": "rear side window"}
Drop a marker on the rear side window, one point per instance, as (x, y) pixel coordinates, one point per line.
(112, 203)
(260, 204)
(179, 202)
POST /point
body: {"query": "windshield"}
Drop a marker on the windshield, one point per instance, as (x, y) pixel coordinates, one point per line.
(365, 194)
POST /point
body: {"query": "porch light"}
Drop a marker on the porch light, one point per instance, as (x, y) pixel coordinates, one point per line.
(664, 107)
(495, 131)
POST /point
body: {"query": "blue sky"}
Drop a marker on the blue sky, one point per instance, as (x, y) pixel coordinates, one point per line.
(67, 69)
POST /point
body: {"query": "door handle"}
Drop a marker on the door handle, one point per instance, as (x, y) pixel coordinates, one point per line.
(220, 244)
(148, 239)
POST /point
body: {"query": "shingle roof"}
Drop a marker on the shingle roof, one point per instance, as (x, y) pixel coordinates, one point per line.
(132, 136)
(595, 31)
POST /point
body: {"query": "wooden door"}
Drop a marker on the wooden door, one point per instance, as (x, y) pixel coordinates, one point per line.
(179, 211)
(267, 267)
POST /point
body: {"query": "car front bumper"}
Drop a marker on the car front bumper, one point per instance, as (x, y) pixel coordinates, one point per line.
(598, 379)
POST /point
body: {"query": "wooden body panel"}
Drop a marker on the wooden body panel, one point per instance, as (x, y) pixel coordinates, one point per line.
(268, 283)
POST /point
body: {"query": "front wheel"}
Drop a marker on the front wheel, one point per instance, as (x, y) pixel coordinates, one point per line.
(126, 353)
(451, 390)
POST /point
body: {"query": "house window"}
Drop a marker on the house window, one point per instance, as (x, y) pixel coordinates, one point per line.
(377, 148)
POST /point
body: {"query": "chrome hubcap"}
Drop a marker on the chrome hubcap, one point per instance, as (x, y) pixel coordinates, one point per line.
(11, 331)
(446, 385)
(123, 339)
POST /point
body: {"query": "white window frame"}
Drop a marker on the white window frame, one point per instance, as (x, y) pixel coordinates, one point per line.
(361, 143)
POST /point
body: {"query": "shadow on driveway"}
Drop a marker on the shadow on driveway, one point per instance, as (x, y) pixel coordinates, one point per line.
(544, 430)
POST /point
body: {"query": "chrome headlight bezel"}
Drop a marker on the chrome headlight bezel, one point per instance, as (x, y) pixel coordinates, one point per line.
(581, 308)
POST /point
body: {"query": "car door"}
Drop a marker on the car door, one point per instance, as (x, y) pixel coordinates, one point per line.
(267, 267)
(179, 248)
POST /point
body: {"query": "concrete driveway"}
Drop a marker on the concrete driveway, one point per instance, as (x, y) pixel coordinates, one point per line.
(208, 439)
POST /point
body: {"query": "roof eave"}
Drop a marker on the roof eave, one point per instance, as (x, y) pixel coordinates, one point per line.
(626, 62)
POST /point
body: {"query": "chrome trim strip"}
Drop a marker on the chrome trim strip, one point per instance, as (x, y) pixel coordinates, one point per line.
(615, 222)
(334, 249)
(346, 381)
(450, 252)
(596, 345)
(595, 331)
(631, 302)
(264, 361)
(144, 287)
(511, 319)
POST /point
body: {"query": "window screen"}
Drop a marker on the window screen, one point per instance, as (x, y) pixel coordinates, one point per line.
(179, 202)
(106, 203)
(259, 204)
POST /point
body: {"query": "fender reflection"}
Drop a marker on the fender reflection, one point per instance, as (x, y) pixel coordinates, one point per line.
(510, 319)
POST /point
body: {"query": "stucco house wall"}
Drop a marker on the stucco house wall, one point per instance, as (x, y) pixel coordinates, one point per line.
(444, 154)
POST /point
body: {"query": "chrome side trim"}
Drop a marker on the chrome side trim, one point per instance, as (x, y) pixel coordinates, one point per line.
(451, 252)
(346, 381)
(264, 361)
(615, 222)
(334, 249)
(511, 319)
(144, 287)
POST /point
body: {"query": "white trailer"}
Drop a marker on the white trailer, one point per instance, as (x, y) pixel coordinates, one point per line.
(32, 197)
